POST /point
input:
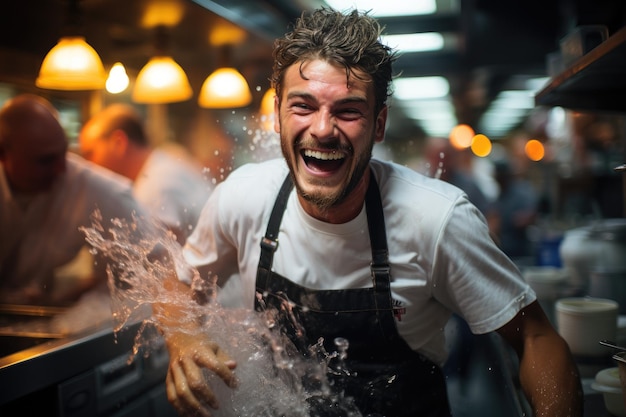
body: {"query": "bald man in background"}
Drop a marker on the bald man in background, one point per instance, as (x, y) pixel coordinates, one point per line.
(47, 195)
(170, 186)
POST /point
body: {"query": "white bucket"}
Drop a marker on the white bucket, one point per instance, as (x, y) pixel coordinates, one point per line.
(584, 321)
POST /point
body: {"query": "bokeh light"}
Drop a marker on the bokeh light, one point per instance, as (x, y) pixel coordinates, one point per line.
(461, 136)
(534, 150)
(481, 145)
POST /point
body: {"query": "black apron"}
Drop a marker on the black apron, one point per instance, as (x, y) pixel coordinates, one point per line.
(386, 377)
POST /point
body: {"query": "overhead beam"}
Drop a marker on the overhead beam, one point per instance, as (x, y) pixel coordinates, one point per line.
(258, 17)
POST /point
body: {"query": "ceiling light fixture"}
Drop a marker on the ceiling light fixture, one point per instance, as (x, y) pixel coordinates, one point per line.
(161, 80)
(426, 100)
(412, 88)
(225, 87)
(388, 7)
(414, 42)
(506, 111)
(72, 64)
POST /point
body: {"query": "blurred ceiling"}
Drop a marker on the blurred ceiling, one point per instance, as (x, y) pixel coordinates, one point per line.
(491, 45)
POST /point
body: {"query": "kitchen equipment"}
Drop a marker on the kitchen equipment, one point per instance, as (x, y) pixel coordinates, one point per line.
(612, 345)
(609, 283)
(88, 374)
(599, 246)
(607, 381)
(584, 321)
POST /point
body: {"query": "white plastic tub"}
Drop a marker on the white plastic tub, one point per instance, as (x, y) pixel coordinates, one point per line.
(607, 382)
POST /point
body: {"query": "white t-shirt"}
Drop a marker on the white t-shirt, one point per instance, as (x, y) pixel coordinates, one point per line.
(442, 258)
(45, 235)
(172, 189)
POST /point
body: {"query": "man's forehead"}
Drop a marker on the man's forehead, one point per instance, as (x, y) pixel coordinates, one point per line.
(306, 66)
(325, 72)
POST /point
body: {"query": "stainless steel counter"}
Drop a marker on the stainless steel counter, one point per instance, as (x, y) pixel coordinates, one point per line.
(87, 374)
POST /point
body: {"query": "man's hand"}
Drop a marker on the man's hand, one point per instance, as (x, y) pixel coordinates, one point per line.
(187, 389)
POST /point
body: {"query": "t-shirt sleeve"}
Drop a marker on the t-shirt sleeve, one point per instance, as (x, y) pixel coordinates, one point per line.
(472, 276)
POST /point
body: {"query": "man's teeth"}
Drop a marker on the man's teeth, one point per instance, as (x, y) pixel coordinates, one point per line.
(324, 156)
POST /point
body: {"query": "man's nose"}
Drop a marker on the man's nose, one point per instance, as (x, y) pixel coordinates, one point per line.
(323, 125)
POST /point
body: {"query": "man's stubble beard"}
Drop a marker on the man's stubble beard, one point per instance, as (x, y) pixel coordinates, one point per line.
(326, 202)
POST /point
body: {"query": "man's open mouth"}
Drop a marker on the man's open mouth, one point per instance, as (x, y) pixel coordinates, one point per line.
(323, 160)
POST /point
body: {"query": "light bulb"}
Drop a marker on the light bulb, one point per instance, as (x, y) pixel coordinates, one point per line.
(118, 79)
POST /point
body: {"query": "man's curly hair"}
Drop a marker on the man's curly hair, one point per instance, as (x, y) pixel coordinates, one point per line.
(350, 40)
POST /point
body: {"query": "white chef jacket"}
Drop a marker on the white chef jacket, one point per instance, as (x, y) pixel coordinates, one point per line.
(172, 190)
(46, 234)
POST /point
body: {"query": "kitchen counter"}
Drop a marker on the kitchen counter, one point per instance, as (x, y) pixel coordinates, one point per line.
(85, 374)
(55, 360)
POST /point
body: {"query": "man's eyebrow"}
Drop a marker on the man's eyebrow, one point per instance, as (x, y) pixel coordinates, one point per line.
(345, 100)
(353, 99)
(299, 94)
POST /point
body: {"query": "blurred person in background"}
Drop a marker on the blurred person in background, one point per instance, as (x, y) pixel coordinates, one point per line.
(47, 194)
(455, 166)
(170, 185)
(514, 211)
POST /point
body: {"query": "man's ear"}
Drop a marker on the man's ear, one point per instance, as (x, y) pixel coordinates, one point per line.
(381, 122)
(276, 118)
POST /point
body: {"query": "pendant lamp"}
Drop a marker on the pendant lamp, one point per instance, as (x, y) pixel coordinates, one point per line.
(161, 80)
(72, 64)
(225, 87)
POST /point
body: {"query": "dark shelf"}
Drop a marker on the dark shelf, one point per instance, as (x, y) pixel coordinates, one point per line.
(595, 82)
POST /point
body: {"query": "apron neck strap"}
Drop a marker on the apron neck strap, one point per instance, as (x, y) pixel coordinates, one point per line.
(378, 237)
(375, 221)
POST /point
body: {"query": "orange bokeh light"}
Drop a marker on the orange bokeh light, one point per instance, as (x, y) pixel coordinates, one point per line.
(534, 150)
(461, 136)
(481, 145)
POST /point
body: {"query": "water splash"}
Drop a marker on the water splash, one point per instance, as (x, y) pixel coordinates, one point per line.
(274, 379)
